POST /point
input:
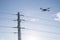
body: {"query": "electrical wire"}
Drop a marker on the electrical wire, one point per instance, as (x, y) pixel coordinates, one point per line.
(44, 31)
(7, 12)
(26, 16)
(34, 30)
(31, 29)
(40, 18)
(6, 26)
(41, 31)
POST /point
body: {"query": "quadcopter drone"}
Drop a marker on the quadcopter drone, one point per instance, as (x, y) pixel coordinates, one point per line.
(45, 9)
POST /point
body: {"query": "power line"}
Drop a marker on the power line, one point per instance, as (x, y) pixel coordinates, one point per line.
(41, 31)
(8, 26)
(40, 18)
(12, 12)
(31, 29)
(19, 36)
(6, 32)
(25, 16)
(7, 12)
(50, 23)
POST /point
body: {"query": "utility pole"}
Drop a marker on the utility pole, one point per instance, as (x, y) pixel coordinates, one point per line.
(18, 26)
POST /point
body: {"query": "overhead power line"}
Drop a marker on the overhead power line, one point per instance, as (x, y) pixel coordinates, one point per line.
(38, 30)
(6, 32)
(40, 18)
(30, 29)
(19, 28)
(12, 13)
(6, 26)
(41, 31)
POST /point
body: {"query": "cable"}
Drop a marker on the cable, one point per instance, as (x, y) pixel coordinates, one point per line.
(7, 12)
(44, 20)
(6, 26)
(6, 32)
(31, 29)
(45, 24)
(41, 31)
(25, 16)
(13, 12)
(40, 18)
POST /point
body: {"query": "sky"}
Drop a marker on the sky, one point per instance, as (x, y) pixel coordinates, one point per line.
(39, 25)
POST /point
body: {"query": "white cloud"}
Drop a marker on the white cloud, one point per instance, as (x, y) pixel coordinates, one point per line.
(34, 20)
(57, 16)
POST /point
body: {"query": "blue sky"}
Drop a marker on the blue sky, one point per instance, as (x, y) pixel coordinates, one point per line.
(43, 25)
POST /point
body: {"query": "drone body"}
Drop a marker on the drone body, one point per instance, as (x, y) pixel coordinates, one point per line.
(44, 9)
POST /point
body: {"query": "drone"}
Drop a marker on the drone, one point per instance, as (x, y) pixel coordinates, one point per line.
(45, 9)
